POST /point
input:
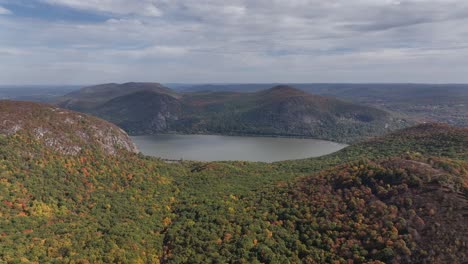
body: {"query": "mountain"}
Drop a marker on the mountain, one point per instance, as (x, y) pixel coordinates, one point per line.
(399, 198)
(398, 210)
(142, 112)
(422, 102)
(92, 96)
(281, 110)
(289, 111)
(61, 130)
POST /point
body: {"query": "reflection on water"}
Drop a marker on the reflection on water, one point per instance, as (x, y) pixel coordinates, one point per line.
(217, 148)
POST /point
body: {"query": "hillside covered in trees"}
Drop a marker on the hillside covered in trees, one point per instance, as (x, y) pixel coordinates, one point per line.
(400, 198)
(423, 102)
(149, 108)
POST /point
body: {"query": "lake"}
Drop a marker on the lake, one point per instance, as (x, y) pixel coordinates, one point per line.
(219, 148)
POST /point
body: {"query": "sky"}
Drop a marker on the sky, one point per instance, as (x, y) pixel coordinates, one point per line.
(233, 41)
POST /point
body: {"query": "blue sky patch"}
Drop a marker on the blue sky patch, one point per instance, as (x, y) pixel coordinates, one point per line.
(44, 11)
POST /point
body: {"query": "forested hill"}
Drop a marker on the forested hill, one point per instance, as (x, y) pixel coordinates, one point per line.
(281, 110)
(396, 199)
(60, 129)
(423, 102)
(92, 96)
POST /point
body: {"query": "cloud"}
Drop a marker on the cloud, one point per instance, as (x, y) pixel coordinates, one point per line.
(408, 13)
(239, 41)
(151, 52)
(4, 11)
(140, 7)
(8, 51)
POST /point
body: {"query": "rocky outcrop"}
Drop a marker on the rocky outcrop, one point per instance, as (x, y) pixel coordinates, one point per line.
(62, 130)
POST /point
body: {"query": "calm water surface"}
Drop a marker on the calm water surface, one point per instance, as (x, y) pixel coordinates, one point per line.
(217, 148)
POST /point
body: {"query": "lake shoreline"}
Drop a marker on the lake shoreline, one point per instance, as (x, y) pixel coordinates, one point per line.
(242, 135)
(207, 148)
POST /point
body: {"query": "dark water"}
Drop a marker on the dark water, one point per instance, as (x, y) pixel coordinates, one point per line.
(218, 148)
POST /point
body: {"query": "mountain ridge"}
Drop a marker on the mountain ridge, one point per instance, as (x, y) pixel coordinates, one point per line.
(90, 96)
(281, 110)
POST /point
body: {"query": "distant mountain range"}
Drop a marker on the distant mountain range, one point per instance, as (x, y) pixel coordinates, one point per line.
(446, 103)
(147, 108)
(36, 93)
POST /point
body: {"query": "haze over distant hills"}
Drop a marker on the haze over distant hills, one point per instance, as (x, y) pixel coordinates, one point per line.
(144, 108)
(37, 93)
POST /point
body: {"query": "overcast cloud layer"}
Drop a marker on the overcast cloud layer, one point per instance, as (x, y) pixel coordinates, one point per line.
(95, 41)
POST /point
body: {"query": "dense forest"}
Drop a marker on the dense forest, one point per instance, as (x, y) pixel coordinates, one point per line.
(400, 198)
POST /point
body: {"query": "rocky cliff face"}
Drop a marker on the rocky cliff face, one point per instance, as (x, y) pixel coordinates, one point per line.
(62, 130)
